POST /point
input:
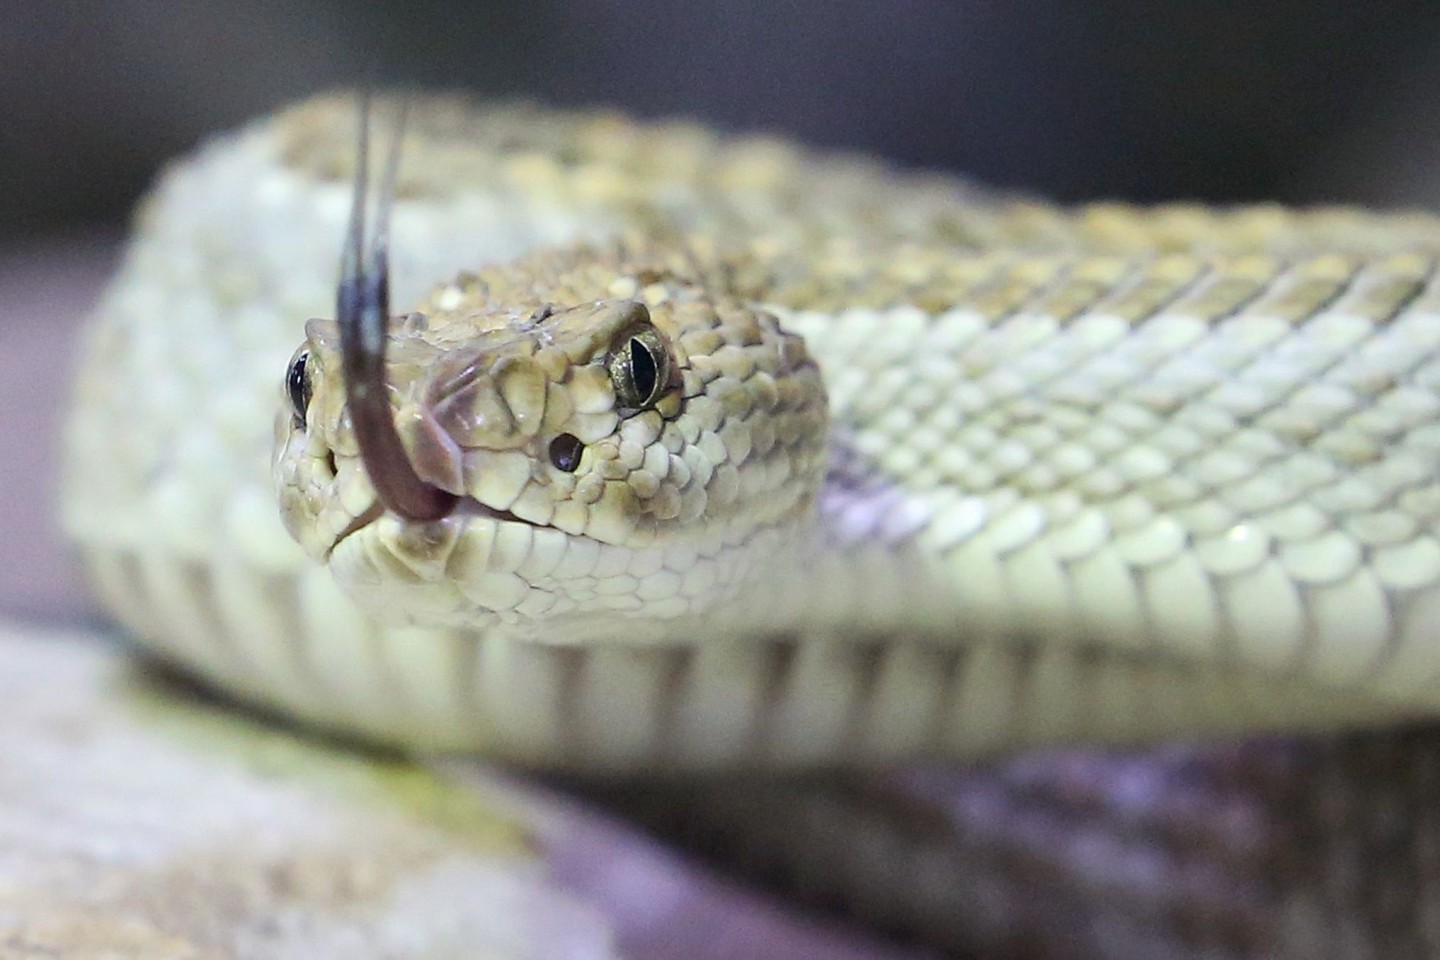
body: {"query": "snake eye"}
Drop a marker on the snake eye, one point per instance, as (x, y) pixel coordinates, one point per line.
(639, 368)
(297, 386)
(565, 452)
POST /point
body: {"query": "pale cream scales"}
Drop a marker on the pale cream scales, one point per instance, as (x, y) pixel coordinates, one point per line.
(1044, 417)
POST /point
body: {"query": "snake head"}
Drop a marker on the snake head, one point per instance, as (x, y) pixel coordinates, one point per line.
(586, 431)
(614, 437)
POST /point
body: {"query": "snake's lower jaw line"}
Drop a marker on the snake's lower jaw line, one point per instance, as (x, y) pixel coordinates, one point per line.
(469, 507)
(465, 509)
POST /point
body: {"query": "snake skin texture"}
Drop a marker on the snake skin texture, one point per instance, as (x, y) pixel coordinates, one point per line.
(1095, 475)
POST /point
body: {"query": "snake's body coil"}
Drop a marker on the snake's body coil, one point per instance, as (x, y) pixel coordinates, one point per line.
(1093, 475)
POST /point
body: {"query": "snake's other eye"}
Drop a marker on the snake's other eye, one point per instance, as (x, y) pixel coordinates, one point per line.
(297, 386)
(565, 452)
(639, 368)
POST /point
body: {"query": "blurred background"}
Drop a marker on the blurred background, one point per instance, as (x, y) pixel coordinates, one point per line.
(1298, 100)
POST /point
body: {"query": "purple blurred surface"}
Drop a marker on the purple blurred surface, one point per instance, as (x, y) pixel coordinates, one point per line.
(46, 288)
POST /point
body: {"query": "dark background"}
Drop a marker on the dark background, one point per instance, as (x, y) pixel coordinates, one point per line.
(1298, 100)
(1294, 99)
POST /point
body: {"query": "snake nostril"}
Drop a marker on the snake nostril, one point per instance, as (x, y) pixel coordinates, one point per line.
(330, 463)
(565, 451)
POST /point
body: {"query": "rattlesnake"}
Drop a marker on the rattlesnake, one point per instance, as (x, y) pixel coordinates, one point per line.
(1090, 475)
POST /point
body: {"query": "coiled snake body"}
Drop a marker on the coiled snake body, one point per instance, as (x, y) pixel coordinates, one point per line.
(1089, 475)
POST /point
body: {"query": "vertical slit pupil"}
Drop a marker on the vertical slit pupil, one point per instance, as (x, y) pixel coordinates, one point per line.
(642, 370)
